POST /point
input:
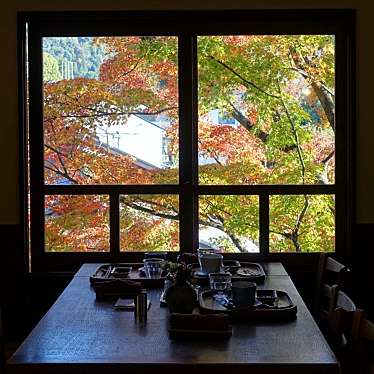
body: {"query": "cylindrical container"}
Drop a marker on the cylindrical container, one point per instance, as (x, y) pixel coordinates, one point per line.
(209, 261)
(153, 267)
(243, 293)
(141, 308)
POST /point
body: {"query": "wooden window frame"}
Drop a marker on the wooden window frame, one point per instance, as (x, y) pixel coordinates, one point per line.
(187, 25)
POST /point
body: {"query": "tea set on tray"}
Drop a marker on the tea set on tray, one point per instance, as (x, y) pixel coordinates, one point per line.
(232, 286)
(207, 280)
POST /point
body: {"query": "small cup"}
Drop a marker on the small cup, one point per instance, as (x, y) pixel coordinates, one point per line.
(220, 283)
(153, 267)
(243, 293)
(210, 261)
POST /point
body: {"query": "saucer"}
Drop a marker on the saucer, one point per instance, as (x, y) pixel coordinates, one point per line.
(228, 303)
(201, 273)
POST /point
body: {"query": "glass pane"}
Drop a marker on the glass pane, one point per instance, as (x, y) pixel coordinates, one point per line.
(229, 223)
(302, 223)
(110, 110)
(77, 223)
(149, 223)
(266, 109)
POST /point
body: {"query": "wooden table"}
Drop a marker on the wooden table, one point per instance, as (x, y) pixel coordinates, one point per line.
(81, 335)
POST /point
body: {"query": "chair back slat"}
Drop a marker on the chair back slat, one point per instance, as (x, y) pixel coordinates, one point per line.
(344, 302)
(340, 320)
(335, 272)
(331, 277)
(334, 266)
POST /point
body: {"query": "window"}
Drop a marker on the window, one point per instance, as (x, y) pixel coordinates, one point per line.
(147, 132)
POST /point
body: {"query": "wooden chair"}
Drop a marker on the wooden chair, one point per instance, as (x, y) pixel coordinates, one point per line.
(338, 329)
(331, 277)
(363, 342)
(340, 320)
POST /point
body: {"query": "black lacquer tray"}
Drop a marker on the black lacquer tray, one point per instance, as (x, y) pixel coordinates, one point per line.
(281, 308)
(108, 272)
(250, 271)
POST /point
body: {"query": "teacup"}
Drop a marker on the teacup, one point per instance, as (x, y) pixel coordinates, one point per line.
(243, 293)
(209, 261)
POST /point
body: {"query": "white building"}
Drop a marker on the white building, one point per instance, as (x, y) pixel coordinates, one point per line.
(140, 137)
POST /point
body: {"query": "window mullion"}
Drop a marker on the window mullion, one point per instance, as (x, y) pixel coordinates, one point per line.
(114, 225)
(264, 223)
(187, 142)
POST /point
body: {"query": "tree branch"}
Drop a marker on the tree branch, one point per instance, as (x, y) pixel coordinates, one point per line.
(323, 176)
(150, 211)
(65, 175)
(246, 123)
(326, 102)
(305, 75)
(245, 81)
(323, 93)
(220, 227)
(107, 114)
(295, 232)
(295, 134)
(215, 157)
(59, 155)
(131, 70)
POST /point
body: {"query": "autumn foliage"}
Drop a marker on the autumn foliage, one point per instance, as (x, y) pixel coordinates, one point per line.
(278, 89)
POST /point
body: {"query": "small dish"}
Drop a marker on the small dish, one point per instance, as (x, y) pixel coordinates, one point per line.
(267, 296)
(228, 303)
(231, 265)
(121, 271)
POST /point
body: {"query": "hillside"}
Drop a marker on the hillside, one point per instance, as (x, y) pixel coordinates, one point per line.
(76, 56)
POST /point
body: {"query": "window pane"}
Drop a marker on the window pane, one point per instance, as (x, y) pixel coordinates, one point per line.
(149, 223)
(266, 109)
(76, 223)
(302, 223)
(229, 223)
(110, 110)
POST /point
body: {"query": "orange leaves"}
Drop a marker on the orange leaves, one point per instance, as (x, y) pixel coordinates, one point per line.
(321, 145)
(252, 115)
(146, 64)
(236, 155)
(229, 144)
(149, 222)
(77, 223)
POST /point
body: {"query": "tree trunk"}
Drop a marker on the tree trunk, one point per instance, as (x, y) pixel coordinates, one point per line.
(326, 102)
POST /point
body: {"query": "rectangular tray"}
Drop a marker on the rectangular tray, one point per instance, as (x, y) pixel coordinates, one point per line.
(255, 272)
(103, 273)
(282, 310)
